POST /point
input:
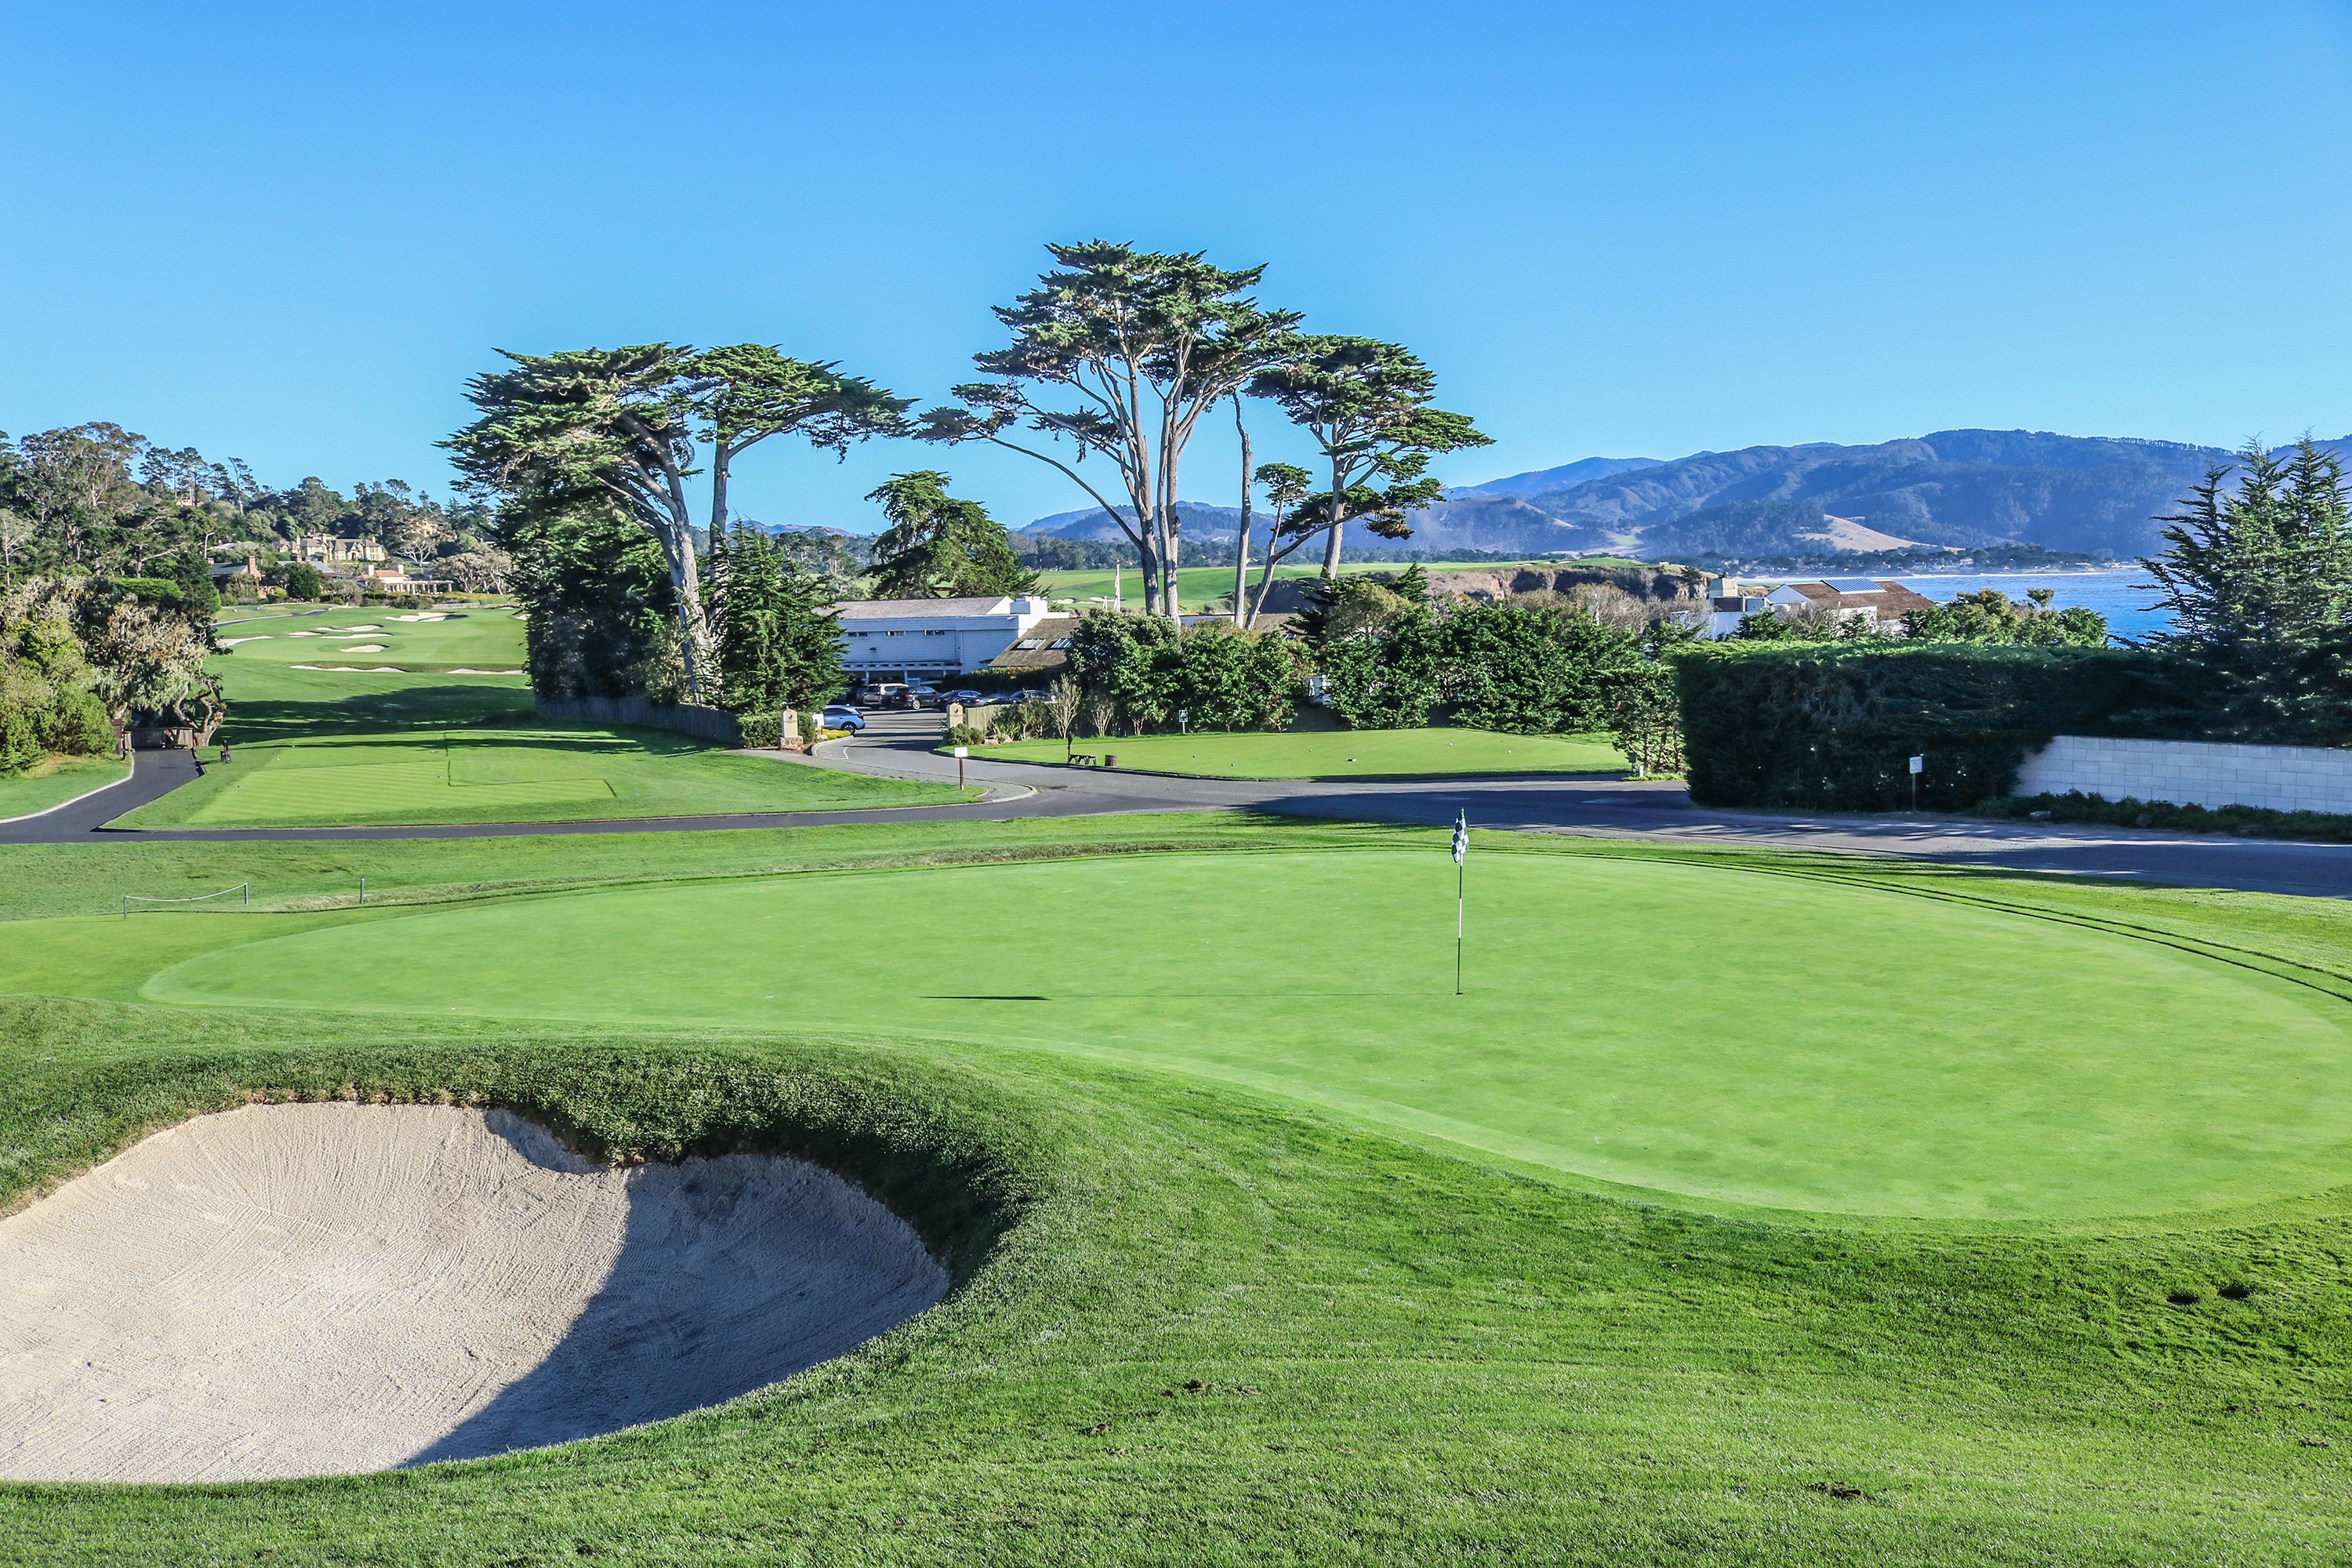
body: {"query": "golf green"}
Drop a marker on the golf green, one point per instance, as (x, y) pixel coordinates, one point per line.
(1716, 1034)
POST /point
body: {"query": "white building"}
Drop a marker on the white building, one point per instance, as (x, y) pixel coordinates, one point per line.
(930, 640)
(1879, 603)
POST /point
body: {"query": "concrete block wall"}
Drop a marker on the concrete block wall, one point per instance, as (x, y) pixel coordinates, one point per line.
(2193, 773)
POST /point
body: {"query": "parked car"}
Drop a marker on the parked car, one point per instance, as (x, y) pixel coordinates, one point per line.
(965, 695)
(842, 716)
(885, 694)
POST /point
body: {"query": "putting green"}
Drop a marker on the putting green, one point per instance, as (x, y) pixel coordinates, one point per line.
(1722, 1035)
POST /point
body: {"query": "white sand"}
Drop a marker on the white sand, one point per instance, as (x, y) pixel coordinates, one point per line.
(346, 631)
(306, 1289)
(469, 669)
(363, 647)
(425, 617)
(263, 637)
(354, 668)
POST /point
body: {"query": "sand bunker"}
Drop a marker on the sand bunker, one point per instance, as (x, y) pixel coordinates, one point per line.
(469, 669)
(420, 617)
(363, 647)
(353, 669)
(346, 631)
(307, 1289)
(258, 636)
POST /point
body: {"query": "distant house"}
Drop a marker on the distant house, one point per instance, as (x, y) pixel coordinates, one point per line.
(1878, 603)
(332, 550)
(397, 579)
(245, 571)
(930, 640)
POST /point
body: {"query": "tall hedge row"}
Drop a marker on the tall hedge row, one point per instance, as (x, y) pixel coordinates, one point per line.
(1831, 727)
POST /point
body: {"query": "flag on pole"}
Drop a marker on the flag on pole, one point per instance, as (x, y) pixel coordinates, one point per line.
(1461, 851)
(1461, 835)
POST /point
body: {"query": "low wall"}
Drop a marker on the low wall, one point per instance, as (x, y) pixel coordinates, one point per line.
(714, 724)
(2193, 773)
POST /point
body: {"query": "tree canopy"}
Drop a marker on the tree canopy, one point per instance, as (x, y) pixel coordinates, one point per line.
(1371, 409)
(1117, 353)
(939, 546)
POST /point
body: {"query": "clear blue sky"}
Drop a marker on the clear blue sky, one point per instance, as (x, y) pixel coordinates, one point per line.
(290, 233)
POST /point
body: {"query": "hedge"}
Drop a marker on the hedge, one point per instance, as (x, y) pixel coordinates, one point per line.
(1827, 726)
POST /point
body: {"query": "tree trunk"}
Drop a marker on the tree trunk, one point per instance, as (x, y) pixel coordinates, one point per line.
(1240, 542)
(685, 583)
(1171, 601)
(1338, 525)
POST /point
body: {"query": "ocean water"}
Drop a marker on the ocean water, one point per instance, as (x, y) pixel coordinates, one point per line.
(2124, 596)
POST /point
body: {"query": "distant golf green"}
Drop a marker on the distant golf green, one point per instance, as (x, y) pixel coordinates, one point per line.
(54, 781)
(1680, 1029)
(427, 742)
(1338, 753)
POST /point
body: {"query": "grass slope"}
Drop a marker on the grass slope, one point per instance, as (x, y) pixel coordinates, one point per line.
(478, 636)
(1338, 754)
(55, 781)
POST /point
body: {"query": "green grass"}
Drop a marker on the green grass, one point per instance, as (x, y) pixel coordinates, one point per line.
(317, 748)
(1338, 753)
(1200, 1320)
(56, 779)
(474, 636)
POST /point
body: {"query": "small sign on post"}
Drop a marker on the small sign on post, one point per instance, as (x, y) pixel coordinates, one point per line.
(961, 754)
(1918, 766)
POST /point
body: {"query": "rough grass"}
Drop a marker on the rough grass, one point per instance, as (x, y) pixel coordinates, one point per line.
(1335, 754)
(55, 781)
(1202, 1325)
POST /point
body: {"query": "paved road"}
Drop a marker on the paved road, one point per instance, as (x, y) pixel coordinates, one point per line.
(899, 746)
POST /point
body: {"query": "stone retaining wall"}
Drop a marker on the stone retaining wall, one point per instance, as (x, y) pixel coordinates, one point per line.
(2193, 773)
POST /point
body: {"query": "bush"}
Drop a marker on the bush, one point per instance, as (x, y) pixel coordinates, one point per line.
(1816, 726)
(2245, 821)
(150, 590)
(1529, 669)
(20, 740)
(1388, 679)
(75, 724)
(303, 582)
(1212, 677)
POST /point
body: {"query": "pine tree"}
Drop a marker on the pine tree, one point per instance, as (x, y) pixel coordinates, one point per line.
(778, 646)
(2259, 581)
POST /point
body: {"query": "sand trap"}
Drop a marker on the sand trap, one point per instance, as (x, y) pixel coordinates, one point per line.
(353, 669)
(301, 633)
(363, 647)
(346, 631)
(420, 617)
(262, 637)
(467, 669)
(309, 1289)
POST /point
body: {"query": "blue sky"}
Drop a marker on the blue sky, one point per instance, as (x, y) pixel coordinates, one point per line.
(290, 233)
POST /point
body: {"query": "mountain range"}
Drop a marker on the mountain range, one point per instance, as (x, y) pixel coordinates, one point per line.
(2094, 495)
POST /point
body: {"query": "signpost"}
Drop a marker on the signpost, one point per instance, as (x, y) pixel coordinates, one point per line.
(1918, 766)
(961, 754)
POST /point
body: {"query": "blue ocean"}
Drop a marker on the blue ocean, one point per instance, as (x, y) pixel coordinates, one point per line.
(2125, 597)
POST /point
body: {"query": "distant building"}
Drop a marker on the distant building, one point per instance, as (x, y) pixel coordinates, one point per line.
(1878, 603)
(245, 571)
(1041, 649)
(930, 640)
(332, 550)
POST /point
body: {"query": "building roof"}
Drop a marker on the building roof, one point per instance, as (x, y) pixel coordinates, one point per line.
(1889, 598)
(921, 610)
(1044, 646)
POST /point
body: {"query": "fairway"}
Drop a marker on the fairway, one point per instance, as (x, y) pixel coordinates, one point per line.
(1711, 1034)
(475, 637)
(1338, 753)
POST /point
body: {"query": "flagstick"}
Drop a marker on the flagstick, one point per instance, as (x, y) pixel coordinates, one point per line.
(1459, 868)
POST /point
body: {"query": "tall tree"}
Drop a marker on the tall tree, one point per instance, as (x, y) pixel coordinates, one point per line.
(1370, 408)
(1118, 352)
(745, 393)
(629, 424)
(939, 546)
(2259, 581)
(778, 644)
(1241, 528)
(1287, 485)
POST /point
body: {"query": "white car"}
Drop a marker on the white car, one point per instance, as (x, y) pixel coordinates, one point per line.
(841, 716)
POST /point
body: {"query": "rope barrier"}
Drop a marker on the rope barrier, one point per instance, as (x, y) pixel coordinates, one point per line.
(131, 899)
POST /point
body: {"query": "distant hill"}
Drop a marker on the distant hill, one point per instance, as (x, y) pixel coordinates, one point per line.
(2095, 495)
(1583, 471)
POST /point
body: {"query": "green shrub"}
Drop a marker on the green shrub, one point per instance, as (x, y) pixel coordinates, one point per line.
(1824, 726)
(1529, 670)
(304, 582)
(1212, 677)
(2244, 821)
(20, 740)
(151, 590)
(75, 724)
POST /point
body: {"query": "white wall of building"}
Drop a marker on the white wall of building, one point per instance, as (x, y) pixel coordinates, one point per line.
(2193, 773)
(912, 637)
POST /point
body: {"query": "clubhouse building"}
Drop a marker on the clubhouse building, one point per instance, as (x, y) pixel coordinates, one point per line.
(932, 640)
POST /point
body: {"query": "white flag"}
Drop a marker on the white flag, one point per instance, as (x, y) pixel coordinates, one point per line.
(1461, 835)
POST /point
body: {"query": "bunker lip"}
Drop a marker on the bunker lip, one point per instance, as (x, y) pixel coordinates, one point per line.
(334, 1288)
